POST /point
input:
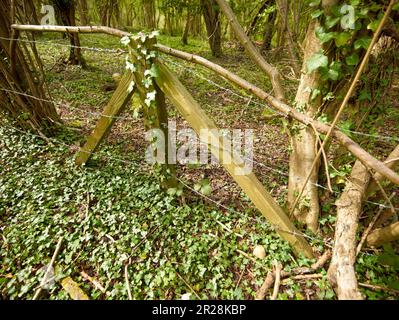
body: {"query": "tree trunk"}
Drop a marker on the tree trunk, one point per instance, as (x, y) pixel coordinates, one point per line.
(341, 272)
(252, 51)
(252, 26)
(30, 113)
(269, 30)
(149, 14)
(286, 32)
(212, 22)
(66, 10)
(304, 144)
(186, 28)
(83, 12)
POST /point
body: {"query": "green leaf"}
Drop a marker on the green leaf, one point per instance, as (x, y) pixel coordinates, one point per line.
(352, 60)
(373, 26)
(317, 14)
(342, 38)
(318, 60)
(362, 43)
(324, 36)
(331, 21)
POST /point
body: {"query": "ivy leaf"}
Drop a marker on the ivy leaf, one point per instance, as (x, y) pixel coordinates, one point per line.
(331, 21)
(324, 36)
(316, 14)
(373, 26)
(318, 60)
(362, 43)
(342, 39)
(314, 3)
(365, 95)
(125, 40)
(352, 60)
(315, 94)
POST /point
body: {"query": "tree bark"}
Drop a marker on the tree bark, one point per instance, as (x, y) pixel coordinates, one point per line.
(384, 235)
(286, 33)
(304, 144)
(149, 14)
(212, 23)
(66, 10)
(28, 113)
(252, 51)
(186, 28)
(391, 162)
(83, 12)
(254, 22)
(341, 273)
(269, 30)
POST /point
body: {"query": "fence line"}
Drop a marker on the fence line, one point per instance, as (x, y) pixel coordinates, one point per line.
(134, 119)
(248, 99)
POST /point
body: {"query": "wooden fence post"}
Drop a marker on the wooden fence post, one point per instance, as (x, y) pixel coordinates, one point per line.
(198, 119)
(118, 102)
(143, 56)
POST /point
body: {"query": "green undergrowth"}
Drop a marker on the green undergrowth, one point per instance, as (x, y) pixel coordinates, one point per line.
(104, 214)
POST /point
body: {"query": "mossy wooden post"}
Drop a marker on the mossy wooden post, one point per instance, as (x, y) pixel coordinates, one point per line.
(143, 56)
(118, 102)
(197, 118)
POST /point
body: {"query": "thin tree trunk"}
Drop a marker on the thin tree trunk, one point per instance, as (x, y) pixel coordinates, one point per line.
(304, 144)
(212, 23)
(186, 28)
(269, 30)
(286, 32)
(341, 273)
(255, 20)
(29, 113)
(83, 12)
(253, 52)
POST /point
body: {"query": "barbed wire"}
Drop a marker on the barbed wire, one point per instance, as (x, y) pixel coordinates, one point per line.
(180, 65)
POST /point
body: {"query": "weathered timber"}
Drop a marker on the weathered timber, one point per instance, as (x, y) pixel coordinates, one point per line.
(197, 118)
(118, 102)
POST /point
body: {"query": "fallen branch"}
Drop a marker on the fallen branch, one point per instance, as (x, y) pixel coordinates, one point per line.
(369, 228)
(94, 282)
(391, 162)
(378, 288)
(384, 235)
(277, 276)
(49, 267)
(341, 273)
(252, 51)
(271, 276)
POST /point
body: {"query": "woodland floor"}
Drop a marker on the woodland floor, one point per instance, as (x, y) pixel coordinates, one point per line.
(111, 211)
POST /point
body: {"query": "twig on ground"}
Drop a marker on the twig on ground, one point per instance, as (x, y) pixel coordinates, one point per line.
(277, 272)
(50, 266)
